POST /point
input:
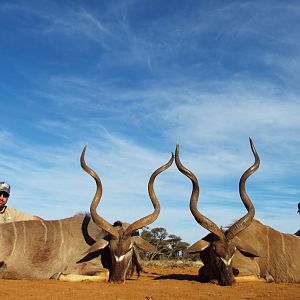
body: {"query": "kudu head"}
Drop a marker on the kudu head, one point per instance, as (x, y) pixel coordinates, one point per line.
(121, 240)
(219, 247)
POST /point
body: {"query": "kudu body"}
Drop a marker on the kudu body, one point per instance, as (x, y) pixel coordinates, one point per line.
(247, 247)
(80, 245)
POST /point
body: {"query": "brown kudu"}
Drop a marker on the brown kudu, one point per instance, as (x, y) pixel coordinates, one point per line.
(247, 248)
(78, 247)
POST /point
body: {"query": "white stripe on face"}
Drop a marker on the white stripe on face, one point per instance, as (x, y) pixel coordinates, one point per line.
(119, 258)
(226, 261)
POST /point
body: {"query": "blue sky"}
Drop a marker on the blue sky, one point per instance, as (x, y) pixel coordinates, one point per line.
(131, 79)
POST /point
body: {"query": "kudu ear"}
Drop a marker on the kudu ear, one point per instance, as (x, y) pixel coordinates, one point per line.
(97, 246)
(198, 247)
(246, 248)
(143, 244)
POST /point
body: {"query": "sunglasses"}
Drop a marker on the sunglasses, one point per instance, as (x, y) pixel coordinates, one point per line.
(4, 194)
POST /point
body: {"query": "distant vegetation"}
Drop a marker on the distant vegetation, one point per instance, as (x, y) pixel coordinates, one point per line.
(171, 246)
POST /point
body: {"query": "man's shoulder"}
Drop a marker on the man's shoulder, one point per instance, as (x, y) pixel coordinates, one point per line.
(11, 209)
(18, 215)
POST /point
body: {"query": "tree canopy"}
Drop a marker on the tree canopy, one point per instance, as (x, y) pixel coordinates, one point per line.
(170, 245)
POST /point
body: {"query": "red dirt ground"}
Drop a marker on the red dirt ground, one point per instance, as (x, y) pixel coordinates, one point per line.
(156, 283)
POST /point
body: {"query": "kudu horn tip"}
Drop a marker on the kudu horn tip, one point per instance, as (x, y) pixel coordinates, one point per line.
(82, 161)
(252, 146)
(177, 149)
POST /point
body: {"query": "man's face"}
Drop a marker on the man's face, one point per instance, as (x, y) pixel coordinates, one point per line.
(3, 198)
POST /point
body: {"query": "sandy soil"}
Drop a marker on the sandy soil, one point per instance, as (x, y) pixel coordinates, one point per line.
(155, 283)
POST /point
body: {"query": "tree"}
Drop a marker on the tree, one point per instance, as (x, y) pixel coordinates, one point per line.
(170, 246)
(177, 246)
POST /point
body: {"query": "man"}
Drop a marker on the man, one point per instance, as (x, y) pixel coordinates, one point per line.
(298, 232)
(10, 214)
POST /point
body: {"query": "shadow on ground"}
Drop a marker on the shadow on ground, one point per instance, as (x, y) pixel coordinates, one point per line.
(178, 277)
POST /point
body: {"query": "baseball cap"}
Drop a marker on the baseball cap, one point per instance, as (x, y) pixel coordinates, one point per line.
(4, 187)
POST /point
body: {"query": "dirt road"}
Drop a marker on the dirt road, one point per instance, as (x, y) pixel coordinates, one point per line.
(155, 284)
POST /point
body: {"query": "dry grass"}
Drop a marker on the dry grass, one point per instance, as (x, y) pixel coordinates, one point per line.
(172, 263)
